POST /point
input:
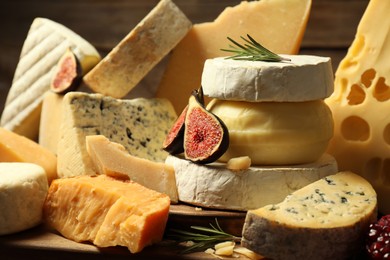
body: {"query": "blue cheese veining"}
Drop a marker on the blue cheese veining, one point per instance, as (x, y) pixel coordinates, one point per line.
(329, 217)
(140, 125)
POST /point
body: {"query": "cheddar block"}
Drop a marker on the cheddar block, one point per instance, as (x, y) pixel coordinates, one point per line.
(50, 121)
(140, 125)
(112, 159)
(327, 219)
(125, 66)
(361, 103)
(45, 43)
(216, 186)
(23, 189)
(106, 211)
(17, 148)
(279, 25)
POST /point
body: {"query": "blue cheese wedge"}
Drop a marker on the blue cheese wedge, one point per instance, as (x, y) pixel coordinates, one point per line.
(216, 186)
(327, 219)
(140, 125)
(45, 43)
(258, 81)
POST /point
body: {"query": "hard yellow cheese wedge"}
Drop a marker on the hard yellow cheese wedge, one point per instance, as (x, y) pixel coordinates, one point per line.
(361, 105)
(122, 69)
(106, 211)
(277, 24)
(50, 122)
(112, 159)
(17, 148)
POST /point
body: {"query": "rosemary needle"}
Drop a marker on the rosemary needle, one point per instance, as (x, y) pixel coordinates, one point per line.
(207, 238)
(251, 50)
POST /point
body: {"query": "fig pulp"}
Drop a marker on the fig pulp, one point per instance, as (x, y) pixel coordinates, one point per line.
(206, 137)
(67, 76)
(173, 143)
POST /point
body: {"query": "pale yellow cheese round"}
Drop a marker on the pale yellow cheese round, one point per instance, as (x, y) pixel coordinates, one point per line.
(23, 189)
(275, 133)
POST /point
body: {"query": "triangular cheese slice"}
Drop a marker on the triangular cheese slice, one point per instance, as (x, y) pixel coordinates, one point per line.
(45, 43)
(279, 25)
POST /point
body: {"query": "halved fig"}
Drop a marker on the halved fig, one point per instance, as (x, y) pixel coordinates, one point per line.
(206, 137)
(173, 143)
(68, 73)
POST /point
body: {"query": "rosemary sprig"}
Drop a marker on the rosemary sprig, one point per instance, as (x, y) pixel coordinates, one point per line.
(201, 241)
(252, 51)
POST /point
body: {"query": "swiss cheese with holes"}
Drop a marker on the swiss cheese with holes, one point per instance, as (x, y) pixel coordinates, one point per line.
(361, 105)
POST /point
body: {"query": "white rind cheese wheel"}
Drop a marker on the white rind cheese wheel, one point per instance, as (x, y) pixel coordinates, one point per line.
(215, 186)
(23, 189)
(304, 78)
(327, 219)
(275, 133)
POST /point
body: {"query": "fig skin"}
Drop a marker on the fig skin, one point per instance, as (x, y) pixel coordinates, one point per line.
(68, 74)
(174, 141)
(206, 137)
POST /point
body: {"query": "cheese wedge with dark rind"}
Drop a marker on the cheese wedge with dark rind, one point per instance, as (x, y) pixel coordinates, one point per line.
(327, 219)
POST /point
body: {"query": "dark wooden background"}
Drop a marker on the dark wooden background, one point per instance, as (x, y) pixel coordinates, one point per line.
(330, 31)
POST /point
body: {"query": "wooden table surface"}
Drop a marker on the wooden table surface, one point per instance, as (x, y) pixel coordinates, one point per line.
(42, 242)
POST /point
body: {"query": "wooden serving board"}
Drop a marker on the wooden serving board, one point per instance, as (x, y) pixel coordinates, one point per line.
(43, 243)
(182, 216)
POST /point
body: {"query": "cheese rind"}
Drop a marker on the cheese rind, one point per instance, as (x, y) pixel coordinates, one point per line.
(361, 103)
(215, 186)
(275, 133)
(140, 125)
(45, 43)
(17, 148)
(112, 159)
(303, 78)
(279, 25)
(23, 189)
(330, 217)
(124, 67)
(106, 211)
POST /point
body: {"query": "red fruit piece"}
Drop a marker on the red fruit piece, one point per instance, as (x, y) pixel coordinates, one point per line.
(67, 76)
(378, 239)
(206, 137)
(173, 143)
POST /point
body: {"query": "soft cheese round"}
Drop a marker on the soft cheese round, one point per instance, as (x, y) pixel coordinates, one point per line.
(215, 186)
(303, 78)
(23, 189)
(275, 133)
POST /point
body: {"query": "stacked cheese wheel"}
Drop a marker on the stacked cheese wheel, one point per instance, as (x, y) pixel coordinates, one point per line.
(276, 116)
(274, 110)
